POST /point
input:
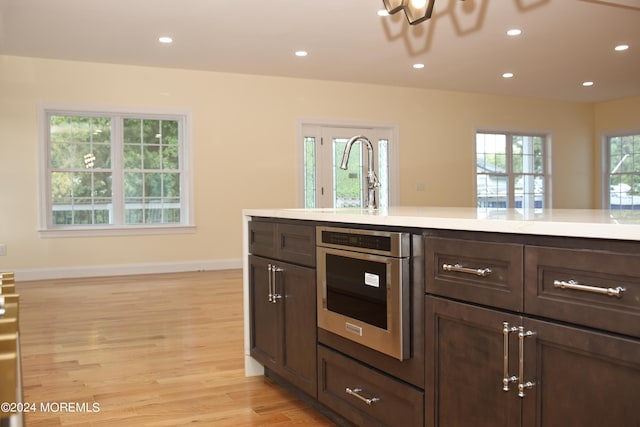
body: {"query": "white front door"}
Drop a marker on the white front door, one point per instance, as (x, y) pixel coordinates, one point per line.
(328, 186)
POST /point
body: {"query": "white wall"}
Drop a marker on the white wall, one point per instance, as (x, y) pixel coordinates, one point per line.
(244, 136)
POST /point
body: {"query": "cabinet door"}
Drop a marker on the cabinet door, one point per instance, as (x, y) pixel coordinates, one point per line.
(264, 333)
(465, 366)
(582, 378)
(296, 287)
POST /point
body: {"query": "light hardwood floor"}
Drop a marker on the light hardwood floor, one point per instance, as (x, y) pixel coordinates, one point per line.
(152, 350)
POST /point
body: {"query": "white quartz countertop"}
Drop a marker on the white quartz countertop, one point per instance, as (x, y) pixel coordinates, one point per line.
(590, 223)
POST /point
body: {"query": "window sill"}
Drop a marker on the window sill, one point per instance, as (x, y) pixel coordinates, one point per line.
(117, 231)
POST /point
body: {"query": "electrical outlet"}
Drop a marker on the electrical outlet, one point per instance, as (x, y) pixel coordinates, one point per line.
(3, 249)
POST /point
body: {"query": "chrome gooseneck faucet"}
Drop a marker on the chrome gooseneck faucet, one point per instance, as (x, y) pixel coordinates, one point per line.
(372, 179)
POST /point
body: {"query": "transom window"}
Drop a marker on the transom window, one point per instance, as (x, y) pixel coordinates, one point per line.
(109, 170)
(510, 170)
(623, 171)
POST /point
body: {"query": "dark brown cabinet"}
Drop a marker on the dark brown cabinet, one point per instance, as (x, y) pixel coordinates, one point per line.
(570, 376)
(487, 273)
(465, 361)
(294, 243)
(282, 299)
(570, 356)
(365, 396)
(582, 377)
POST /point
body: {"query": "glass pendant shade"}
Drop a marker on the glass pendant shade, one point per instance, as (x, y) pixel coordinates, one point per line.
(418, 10)
(394, 6)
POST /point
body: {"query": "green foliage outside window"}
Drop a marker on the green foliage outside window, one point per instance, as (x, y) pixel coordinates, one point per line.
(82, 170)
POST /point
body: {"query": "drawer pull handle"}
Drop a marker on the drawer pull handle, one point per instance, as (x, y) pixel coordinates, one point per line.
(482, 272)
(572, 284)
(356, 392)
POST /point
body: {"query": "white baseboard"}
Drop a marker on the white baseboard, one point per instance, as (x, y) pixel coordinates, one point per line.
(124, 269)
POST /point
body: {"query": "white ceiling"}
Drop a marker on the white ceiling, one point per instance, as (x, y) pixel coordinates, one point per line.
(464, 46)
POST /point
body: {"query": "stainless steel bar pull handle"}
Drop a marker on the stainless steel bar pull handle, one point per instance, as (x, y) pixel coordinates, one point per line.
(275, 296)
(506, 378)
(521, 384)
(270, 295)
(483, 272)
(572, 284)
(356, 392)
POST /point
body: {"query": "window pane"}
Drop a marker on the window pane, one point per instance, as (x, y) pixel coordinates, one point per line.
(509, 162)
(132, 131)
(170, 132)
(309, 172)
(171, 186)
(80, 129)
(60, 155)
(81, 150)
(151, 157)
(491, 152)
(492, 191)
(60, 128)
(152, 185)
(170, 157)
(101, 130)
(77, 197)
(624, 175)
(74, 142)
(102, 155)
(151, 131)
(132, 156)
(383, 173)
(529, 191)
(347, 191)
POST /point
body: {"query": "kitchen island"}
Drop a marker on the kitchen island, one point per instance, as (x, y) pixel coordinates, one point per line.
(556, 315)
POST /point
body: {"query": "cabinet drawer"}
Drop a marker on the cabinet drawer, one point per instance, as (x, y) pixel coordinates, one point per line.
(592, 288)
(482, 272)
(262, 238)
(399, 404)
(297, 243)
(294, 243)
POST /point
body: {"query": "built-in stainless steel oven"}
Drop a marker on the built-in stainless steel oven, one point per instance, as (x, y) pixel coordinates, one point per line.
(363, 287)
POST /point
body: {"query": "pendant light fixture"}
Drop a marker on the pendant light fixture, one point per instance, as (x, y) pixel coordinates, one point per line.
(394, 6)
(415, 10)
(419, 10)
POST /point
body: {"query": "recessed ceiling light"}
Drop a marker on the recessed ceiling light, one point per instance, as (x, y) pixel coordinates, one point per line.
(383, 12)
(587, 84)
(514, 32)
(165, 40)
(302, 53)
(507, 75)
(621, 47)
(418, 66)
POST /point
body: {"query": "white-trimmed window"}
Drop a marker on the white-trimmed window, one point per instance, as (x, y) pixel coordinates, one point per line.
(511, 170)
(106, 170)
(623, 171)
